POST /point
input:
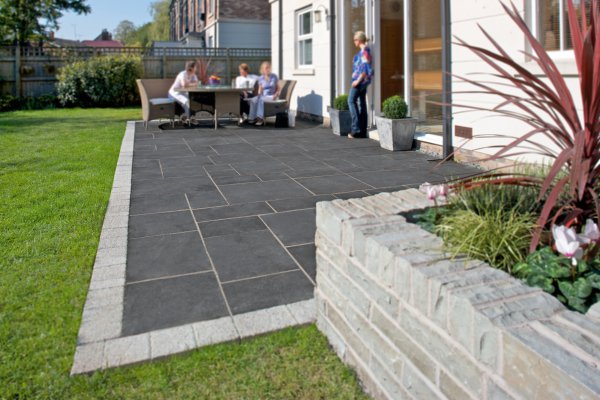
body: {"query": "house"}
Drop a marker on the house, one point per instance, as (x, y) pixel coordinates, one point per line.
(414, 56)
(103, 40)
(222, 23)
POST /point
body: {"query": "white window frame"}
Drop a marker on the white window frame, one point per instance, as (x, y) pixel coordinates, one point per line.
(304, 37)
(536, 28)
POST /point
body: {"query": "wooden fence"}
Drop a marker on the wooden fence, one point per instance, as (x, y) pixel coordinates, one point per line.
(32, 70)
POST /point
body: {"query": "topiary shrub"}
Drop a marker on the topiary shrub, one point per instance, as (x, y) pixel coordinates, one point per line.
(395, 108)
(107, 81)
(341, 103)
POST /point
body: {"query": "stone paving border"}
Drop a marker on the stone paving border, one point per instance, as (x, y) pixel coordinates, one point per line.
(99, 343)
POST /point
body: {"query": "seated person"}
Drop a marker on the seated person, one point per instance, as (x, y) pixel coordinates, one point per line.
(268, 90)
(186, 78)
(245, 80)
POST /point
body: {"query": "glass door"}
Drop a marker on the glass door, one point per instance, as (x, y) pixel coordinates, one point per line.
(391, 46)
(426, 65)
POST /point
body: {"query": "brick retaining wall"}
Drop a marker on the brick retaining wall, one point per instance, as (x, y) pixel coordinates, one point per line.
(416, 324)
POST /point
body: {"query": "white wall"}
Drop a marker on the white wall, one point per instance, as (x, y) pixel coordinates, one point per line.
(244, 34)
(489, 14)
(312, 92)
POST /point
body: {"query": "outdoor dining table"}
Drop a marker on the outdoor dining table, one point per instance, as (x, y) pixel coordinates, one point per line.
(227, 99)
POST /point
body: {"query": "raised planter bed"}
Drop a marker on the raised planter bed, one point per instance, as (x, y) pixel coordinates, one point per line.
(414, 322)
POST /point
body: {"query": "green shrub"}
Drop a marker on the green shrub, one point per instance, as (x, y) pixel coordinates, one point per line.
(107, 81)
(341, 103)
(498, 237)
(486, 198)
(395, 108)
(578, 287)
(11, 103)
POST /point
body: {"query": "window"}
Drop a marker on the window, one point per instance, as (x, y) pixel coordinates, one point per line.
(304, 31)
(553, 22)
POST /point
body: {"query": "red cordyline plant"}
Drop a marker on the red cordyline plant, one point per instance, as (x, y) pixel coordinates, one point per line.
(571, 143)
(202, 67)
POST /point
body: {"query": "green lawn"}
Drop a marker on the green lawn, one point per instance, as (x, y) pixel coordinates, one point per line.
(56, 170)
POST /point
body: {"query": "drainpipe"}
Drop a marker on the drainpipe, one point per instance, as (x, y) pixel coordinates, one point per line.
(332, 46)
(448, 147)
(280, 41)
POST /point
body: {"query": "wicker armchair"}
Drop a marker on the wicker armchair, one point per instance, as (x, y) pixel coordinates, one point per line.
(155, 101)
(282, 104)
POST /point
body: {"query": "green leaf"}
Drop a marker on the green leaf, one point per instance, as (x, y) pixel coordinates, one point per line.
(567, 289)
(583, 288)
(546, 284)
(594, 280)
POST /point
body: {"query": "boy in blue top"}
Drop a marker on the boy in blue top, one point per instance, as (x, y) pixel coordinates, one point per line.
(362, 73)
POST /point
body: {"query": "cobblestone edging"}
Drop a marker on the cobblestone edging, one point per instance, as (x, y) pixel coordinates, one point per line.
(416, 324)
(100, 344)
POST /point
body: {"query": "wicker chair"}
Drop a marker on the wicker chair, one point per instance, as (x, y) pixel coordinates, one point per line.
(155, 101)
(282, 104)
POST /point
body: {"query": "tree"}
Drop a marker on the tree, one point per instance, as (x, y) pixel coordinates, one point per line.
(27, 19)
(124, 31)
(161, 20)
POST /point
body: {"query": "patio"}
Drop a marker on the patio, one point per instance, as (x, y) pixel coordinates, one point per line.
(219, 240)
(222, 223)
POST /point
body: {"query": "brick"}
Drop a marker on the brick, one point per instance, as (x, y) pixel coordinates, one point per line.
(460, 322)
(342, 290)
(522, 311)
(392, 386)
(594, 312)
(385, 298)
(354, 210)
(165, 342)
(584, 344)
(445, 353)
(356, 232)
(368, 382)
(417, 386)
(405, 345)
(487, 343)
(104, 297)
(329, 219)
(106, 283)
(106, 260)
(539, 368)
(347, 333)
(589, 325)
(452, 389)
(335, 339)
(109, 273)
(103, 326)
(495, 392)
(127, 350)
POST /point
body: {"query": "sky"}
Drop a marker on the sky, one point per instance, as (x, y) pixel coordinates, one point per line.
(105, 14)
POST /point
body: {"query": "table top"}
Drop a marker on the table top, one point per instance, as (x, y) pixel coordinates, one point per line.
(211, 89)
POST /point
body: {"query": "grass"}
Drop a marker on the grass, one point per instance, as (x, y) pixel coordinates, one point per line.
(56, 170)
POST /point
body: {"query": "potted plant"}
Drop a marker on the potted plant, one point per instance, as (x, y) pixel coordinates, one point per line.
(396, 130)
(339, 114)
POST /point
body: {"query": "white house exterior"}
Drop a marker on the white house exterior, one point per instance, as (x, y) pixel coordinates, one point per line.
(412, 48)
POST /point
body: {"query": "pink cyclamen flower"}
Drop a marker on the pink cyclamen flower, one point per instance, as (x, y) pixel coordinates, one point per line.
(590, 233)
(443, 190)
(433, 191)
(567, 242)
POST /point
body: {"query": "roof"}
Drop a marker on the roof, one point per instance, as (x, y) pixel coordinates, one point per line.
(102, 43)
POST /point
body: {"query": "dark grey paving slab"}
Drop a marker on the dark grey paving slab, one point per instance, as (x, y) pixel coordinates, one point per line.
(151, 171)
(306, 257)
(206, 198)
(171, 302)
(351, 195)
(261, 191)
(233, 179)
(171, 186)
(229, 226)
(237, 210)
(294, 227)
(380, 179)
(248, 254)
(151, 203)
(160, 224)
(333, 184)
(256, 294)
(164, 256)
(298, 203)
